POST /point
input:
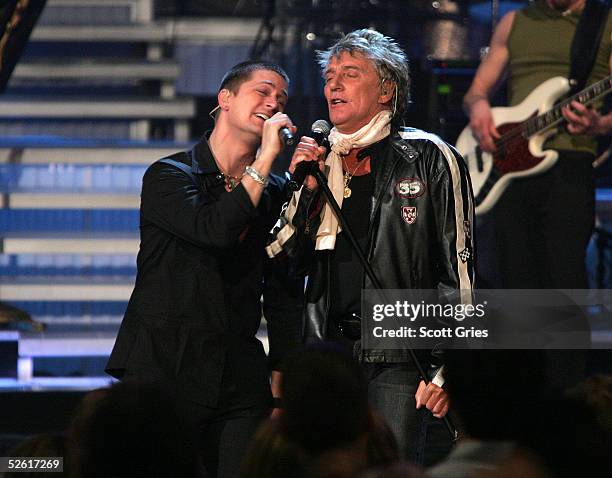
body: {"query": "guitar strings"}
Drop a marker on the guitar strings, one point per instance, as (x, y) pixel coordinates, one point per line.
(532, 122)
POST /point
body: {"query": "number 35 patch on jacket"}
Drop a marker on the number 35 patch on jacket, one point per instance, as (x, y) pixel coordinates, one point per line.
(410, 188)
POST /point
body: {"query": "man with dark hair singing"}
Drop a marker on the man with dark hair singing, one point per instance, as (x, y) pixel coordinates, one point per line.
(407, 197)
(204, 220)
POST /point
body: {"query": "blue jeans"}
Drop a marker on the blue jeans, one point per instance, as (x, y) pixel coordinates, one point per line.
(422, 439)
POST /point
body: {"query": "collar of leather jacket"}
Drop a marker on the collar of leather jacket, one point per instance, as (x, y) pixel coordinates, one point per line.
(406, 151)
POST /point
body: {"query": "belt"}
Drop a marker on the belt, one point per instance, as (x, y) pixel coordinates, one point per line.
(349, 327)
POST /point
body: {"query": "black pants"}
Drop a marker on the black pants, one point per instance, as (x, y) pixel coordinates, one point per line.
(225, 443)
(244, 401)
(543, 224)
(224, 437)
(225, 424)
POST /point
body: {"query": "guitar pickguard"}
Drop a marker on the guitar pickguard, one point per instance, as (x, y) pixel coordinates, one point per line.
(514, 155)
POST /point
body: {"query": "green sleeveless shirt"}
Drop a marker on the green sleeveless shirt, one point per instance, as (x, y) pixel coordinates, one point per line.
(539, 46)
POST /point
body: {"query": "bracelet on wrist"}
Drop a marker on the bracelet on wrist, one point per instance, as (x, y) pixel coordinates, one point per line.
(256, 176)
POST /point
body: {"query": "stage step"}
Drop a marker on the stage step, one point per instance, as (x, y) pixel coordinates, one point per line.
(70, 244)
(75, 265)
(70, 201)
(101, 75)
(71, 178)
(117, 69)
(73, 312)
(230, 30)
(91, 12)
(139, 112)
(87, 108)
(75, 344)
(44, 221)
(99, 153)
(155, 32)
(86, 130)
(54, 288)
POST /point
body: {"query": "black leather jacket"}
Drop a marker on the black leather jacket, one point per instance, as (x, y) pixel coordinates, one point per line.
(420, 234)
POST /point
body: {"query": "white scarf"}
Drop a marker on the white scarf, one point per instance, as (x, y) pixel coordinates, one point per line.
(378, 128)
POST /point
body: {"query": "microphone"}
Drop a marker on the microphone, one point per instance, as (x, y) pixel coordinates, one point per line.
(286, 136)
(319, 132)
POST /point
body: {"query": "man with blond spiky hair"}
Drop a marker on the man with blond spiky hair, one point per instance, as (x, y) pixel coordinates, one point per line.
(406, 195)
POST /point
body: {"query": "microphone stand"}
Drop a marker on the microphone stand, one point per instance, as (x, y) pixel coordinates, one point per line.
(322, 181)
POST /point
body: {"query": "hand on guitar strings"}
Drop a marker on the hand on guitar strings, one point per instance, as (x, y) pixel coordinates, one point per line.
(583, 120)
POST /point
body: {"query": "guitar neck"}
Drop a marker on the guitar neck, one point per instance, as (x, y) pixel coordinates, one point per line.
(554, 116)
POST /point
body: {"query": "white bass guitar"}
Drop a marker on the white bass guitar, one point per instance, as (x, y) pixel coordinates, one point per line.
(524, 128)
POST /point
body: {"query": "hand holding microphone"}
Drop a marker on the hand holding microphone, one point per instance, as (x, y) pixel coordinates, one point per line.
(277, 132)
(308, 154)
